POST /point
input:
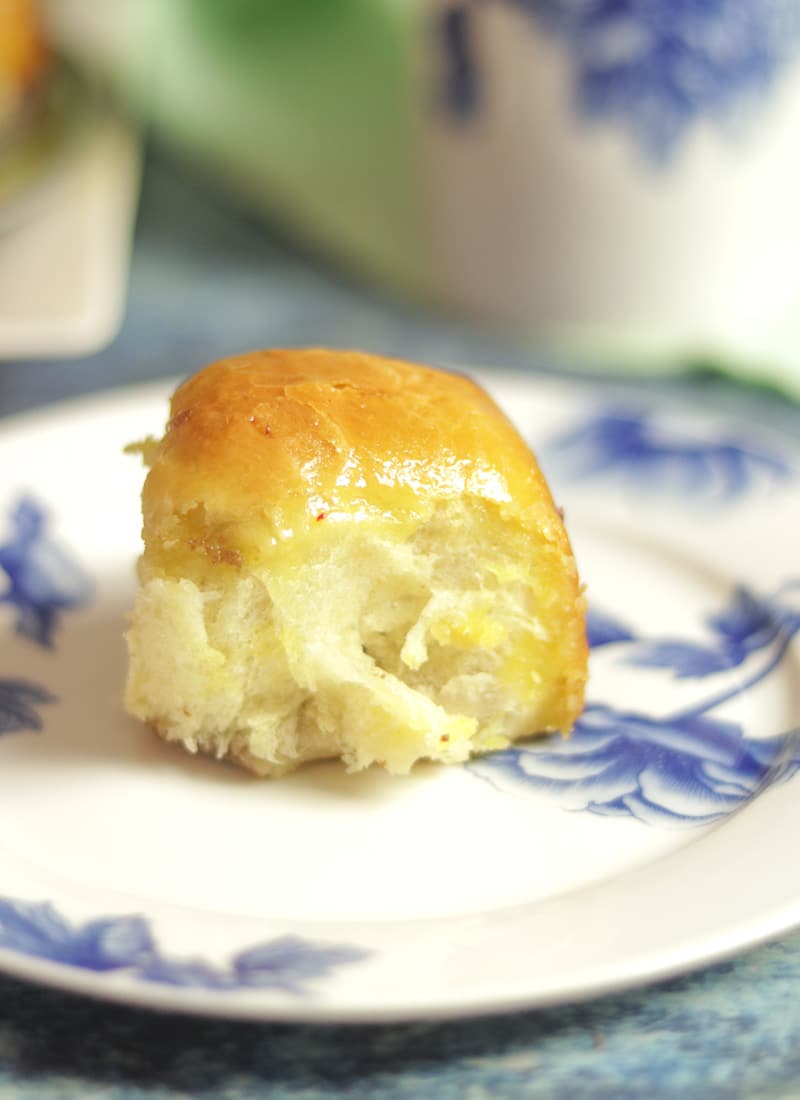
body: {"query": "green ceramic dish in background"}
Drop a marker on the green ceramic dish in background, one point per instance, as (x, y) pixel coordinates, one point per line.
(543, 167)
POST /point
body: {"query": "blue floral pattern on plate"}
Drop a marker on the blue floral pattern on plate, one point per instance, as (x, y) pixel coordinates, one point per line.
(43, 579)
(651, 66)
(19, 702)
(634, 449)
(691, 767)
(111, 944)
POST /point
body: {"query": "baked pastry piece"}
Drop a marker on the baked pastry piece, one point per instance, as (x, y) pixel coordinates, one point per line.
(348, 556)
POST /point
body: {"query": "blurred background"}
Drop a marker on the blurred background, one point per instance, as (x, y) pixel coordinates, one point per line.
(558, 185)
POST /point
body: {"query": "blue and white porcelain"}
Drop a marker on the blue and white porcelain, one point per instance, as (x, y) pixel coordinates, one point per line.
(619, 178)
(653, 68)
(650, 842)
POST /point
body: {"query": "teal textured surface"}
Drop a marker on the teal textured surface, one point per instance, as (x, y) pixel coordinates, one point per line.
(729, 1032)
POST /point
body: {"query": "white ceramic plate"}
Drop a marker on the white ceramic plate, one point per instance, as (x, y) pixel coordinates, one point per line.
(652, 842)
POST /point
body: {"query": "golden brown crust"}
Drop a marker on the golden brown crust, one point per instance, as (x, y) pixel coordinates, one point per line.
(297, 440)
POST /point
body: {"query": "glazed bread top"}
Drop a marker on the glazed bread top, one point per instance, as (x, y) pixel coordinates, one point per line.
(268, 450)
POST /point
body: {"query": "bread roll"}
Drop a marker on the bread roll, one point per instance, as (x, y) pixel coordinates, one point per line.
(348, 556)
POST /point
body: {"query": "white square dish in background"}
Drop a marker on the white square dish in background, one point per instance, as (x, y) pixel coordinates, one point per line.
(64, 255)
